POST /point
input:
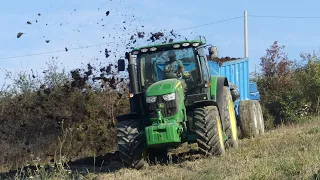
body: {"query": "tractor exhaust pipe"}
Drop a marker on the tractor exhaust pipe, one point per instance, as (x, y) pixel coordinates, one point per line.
(132, 74)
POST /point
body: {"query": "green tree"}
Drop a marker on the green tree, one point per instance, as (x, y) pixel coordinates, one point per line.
(308, 77)
(275, 81)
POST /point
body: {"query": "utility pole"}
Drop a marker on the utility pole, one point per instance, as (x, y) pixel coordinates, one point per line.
(246, 51)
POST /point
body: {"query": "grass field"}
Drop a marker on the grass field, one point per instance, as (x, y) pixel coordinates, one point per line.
(289, 152)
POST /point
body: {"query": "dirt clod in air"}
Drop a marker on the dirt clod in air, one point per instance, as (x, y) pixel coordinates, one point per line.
(156, 36)
(19, 34)
(107, 13)
(141, 34)
(106, 52)
(39, 14)
(47, 41)
(66, 49)
(28, 22)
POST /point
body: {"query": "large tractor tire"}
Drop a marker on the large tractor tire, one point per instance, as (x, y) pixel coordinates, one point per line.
(129, 144)
(260, 118)
(248, 119)
(209, 131)
(228, 117)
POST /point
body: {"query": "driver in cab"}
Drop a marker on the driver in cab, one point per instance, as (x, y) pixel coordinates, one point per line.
(173, 67)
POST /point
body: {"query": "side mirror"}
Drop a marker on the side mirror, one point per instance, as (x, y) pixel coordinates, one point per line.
(213, 51)
(121, 65)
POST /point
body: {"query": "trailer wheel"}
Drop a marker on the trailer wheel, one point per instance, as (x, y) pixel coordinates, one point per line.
(248, 119)
(209, 131)
(129, 144)
(260, 118)
(228, 117)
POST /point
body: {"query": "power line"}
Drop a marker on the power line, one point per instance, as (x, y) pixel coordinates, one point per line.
(50, 52)
(209, 23)
(83, 47)
(286, 17)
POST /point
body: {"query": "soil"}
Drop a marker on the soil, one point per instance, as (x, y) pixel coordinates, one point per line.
(19, 34)
(222, 59)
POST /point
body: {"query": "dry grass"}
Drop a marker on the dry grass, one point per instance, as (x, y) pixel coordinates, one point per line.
(291, 152)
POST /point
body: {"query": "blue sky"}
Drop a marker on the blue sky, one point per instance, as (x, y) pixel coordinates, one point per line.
(299, 35)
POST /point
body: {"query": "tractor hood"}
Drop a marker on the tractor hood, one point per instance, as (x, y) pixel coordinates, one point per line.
(163, 87)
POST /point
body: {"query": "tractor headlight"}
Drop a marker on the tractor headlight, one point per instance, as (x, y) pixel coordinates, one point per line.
(135, 52)
(151, 99)
(195, 44)
(169, 97)
(144, 50)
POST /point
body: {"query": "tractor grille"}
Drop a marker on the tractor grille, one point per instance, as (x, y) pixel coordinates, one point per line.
(170, 107)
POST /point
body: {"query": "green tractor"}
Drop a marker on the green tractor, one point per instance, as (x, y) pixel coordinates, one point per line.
(174, 99)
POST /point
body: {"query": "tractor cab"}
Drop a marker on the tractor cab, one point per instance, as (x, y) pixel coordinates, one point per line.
(185, 61)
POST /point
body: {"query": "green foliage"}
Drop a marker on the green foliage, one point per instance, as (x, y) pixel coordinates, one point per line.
(289, 89)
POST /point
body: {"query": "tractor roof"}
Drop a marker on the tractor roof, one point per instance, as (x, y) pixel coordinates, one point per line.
(169, 45)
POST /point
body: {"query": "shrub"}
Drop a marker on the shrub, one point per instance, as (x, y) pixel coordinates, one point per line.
(57, 115)
(289, 89)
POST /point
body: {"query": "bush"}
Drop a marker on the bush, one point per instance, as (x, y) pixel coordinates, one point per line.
(289, 90)
(57, 116)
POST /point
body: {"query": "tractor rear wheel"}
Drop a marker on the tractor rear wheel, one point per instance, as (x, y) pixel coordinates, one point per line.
(228, 117)
(248, 119)
(129, 144)
(260, 117)
(209, 131)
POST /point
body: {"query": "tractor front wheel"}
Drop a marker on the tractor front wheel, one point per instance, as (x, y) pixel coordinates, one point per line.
(129, 144)
(209, 131)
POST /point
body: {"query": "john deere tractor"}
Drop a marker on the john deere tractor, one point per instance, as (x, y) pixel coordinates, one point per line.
(175, 100)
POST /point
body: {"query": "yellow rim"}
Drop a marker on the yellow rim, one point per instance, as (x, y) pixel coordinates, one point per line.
(233, 120)
(220, 133)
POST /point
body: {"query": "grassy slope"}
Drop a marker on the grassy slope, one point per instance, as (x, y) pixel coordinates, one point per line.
(286, 153)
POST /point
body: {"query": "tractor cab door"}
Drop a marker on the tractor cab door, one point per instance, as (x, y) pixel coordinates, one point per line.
(204, 69)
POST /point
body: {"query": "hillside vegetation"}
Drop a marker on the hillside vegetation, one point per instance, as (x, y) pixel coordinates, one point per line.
(289, 88)
(58, 118)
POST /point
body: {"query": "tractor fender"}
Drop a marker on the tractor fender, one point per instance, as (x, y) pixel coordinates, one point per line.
(221, 82)
(128, 116)
(217, 83)
(203, 103)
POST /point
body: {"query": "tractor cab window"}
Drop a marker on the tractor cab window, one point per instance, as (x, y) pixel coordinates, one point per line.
(166, 64)
(204, 65)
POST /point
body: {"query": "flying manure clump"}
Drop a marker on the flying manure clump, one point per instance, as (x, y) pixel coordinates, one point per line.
(19, 34)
